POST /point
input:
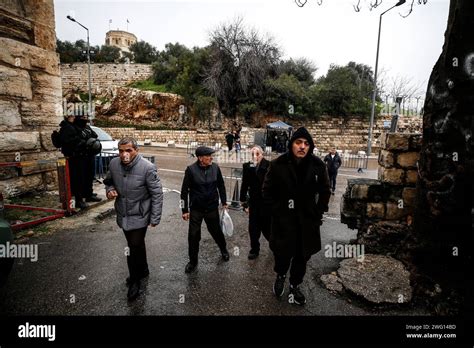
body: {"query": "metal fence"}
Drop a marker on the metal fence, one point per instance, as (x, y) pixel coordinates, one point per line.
(349, 160)
(102, 162)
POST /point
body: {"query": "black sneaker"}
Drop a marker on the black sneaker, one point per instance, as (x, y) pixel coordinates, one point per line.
(190, 267)
(133, 291)
(279, 286)
(296, 296)
(93, 199)
(225, 255)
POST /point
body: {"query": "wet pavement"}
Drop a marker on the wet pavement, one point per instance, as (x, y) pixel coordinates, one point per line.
(81, 268)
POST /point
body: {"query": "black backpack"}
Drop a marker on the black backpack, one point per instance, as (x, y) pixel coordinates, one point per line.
(56, 139)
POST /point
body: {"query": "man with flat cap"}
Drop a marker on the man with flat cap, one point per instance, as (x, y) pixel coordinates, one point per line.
(202, 187)
(296, 191)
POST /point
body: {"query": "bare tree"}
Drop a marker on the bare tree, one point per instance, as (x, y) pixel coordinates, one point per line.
(241, 59)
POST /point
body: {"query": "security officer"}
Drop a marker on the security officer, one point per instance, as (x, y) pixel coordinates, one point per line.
(204, 185)
(74, 135)
(88, 159)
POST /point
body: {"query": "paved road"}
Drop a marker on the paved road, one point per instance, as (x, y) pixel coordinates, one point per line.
(81, 268)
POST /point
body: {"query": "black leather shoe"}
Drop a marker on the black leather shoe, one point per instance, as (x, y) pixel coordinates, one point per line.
(190, 267)
(225, 255)
(133, 291)
(253, 255)
(93, 199)
(279, 285)
(81, 205)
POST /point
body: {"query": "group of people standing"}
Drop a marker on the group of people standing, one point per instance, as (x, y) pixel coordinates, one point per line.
(285, 200)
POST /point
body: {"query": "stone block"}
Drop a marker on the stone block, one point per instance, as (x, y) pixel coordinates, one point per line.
(19, 141)
(391, 175)
(45, 139)
(407, 159)
(359, 192)
(411, 177)
(9, 114)
(386, 159)
(394, 212)
(28, 57)
(415, 142)
(409, 196)
(376, 210)
(397, 141)
(15, 82)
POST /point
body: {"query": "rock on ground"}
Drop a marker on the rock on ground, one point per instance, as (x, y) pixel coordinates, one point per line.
(377, 278)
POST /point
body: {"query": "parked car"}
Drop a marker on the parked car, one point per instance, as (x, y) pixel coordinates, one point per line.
(6, 235)
(109, 145)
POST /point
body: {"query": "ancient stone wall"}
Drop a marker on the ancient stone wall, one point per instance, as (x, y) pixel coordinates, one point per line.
(103, 76)
(349, 135)
(382, 210)
(30, 94)
(180, 136)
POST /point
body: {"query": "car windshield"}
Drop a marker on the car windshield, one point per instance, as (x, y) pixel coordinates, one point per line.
(103, 136)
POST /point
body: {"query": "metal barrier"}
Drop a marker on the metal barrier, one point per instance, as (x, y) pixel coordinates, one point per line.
(191, 146)
(65, 198)
(356, 161)
(102, 163)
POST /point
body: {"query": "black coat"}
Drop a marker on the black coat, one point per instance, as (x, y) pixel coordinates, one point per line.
(298, 199)
(203, 186)
(333, 163)
(72, 143)
(252, 182)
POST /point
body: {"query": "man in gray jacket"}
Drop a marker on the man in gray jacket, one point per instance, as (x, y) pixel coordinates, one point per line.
(134, 183)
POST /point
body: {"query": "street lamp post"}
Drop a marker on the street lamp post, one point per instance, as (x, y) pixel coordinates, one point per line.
(90, 113)
(374, 94)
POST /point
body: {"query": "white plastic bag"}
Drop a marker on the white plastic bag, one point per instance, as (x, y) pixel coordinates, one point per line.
(226, 223)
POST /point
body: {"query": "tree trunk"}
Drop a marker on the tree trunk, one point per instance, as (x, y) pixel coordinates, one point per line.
(443, 224)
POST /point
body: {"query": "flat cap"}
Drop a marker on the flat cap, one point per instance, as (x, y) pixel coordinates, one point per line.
(204, 151)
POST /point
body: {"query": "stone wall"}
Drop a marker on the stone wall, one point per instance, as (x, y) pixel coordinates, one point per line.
(346, 135)
(30, 94)
(103, 76)
(382, 210)
(351, 133)
(180, 136)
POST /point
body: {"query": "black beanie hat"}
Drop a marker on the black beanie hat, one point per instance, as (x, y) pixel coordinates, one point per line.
(302, 133)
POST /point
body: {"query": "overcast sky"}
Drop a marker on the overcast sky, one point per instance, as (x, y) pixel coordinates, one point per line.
(331, 33)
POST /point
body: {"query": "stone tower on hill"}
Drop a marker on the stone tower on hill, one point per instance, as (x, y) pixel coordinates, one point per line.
(121, 39)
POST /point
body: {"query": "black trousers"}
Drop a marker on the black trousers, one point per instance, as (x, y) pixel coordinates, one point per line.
(259, 224)
(81, 173)
(89, 171)
(297, 270)
(194, 233)
(136, 260)
(332, 180)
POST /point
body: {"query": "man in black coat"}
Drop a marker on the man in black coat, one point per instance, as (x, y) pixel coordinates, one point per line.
(87, 133)
(74, 134)
(296, 188)
(333, 161)
(229, 139)
(202, 187)
(252, 181)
